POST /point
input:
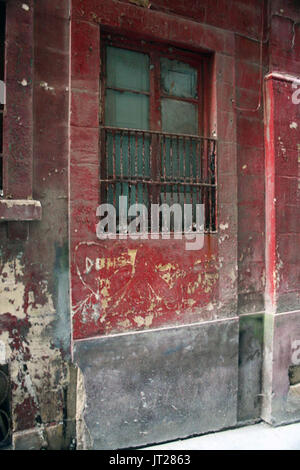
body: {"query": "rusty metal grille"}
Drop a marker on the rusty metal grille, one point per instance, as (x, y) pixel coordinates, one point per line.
(5, 421)
(153, 167)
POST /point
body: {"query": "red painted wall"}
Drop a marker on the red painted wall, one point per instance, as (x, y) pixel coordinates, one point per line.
(136, 285)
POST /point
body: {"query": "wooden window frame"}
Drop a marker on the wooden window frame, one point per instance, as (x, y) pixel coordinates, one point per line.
(155, 52)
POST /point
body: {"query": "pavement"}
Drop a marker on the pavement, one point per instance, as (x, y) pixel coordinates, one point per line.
(255, 437)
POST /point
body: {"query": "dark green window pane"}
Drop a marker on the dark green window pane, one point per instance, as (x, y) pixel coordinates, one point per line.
(180, 163)
(178, 78)
(127, 69)
(179, 117)
(125, 109)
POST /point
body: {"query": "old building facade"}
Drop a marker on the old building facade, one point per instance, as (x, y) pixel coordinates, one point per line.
(123, 342)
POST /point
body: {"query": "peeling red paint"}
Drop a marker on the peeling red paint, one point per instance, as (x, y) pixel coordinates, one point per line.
(270, 199)
(131, 285)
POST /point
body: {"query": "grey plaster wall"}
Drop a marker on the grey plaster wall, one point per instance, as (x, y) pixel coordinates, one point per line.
(250, 367)
(159, 385)
(281, 404)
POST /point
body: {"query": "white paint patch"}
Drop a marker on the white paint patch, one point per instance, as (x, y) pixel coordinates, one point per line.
(2, 353)
(282, 149)
(46, 86)
(223, 238)
(223, 226)
(293, 125)
(25, 7)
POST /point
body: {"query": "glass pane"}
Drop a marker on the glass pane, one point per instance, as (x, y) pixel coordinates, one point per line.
(125, 109)
(178, 79)
(179, 117)
(127, 69)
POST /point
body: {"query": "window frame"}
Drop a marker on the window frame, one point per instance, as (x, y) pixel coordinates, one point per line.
(156, 94)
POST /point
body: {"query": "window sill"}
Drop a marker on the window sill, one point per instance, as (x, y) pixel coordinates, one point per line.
(20, 210)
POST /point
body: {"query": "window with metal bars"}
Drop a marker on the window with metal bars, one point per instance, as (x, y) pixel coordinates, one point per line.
(152, 149)
(2, 91)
